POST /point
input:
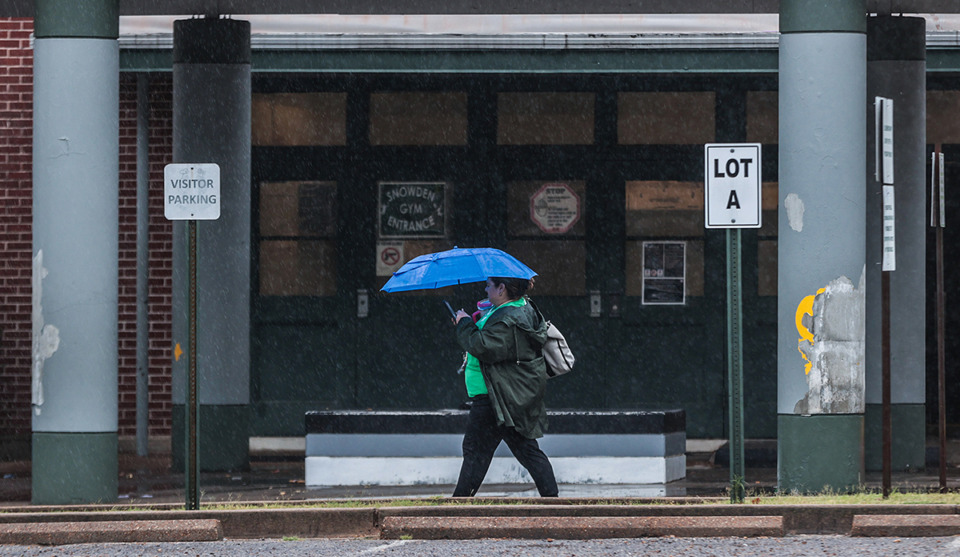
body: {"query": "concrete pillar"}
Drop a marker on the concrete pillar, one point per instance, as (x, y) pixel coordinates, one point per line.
(211, 124)
(820, 346)
(75, 245)
(896, 69)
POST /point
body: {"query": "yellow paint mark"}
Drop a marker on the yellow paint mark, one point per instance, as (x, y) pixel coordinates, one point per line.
(177, 352)
(806, 308)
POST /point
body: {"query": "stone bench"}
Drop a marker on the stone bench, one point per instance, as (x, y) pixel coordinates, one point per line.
(393, 448)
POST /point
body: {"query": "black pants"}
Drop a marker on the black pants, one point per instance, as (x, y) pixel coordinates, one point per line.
(480, 442)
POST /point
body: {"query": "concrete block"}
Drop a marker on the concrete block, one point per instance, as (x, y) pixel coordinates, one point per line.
(60, 533)
(579, 527)
(904, 526)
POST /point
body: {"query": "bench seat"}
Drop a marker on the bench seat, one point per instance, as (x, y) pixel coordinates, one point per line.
(360, 447)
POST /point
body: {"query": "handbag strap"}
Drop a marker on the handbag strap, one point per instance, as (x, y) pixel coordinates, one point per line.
(537, 309)
(516, 342)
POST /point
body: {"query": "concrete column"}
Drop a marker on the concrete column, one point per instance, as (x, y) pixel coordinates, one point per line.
(820, 310)
(896, 69)
(75, 251)
(211, 124)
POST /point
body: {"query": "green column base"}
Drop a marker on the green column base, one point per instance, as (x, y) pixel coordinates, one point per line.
(74, 468)
(224, 442)
(821, 453)
(909, 436)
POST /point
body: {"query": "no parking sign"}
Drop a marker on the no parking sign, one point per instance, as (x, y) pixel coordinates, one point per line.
(389, 257)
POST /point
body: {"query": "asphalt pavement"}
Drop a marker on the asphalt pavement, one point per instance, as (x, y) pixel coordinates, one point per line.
(799, 546)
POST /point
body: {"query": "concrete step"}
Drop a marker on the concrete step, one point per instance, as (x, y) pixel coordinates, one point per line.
(60, 533)
(904, 526)
(578, 528)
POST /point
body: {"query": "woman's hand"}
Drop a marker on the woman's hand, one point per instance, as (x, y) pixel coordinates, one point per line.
(460, 315)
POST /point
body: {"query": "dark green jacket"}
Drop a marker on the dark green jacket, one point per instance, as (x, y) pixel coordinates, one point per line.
(509, 350)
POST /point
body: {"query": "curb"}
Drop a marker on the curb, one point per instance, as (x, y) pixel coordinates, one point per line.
(578, 528)
(518, 517)
(904, 526)
(797, 519)
(234, 523)
(60, 533)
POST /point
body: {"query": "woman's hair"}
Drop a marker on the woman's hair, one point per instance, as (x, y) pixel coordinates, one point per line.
(516, 287)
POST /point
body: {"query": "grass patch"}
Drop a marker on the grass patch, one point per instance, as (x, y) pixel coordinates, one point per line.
(862, 496)
(859, 497)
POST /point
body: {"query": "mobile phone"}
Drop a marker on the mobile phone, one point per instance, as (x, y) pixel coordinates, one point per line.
(450, 309)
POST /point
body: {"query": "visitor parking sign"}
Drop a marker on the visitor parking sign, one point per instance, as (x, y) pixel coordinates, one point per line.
(732, 179)
(191, 191)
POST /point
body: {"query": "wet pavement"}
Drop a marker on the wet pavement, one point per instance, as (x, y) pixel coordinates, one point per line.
(279, 477)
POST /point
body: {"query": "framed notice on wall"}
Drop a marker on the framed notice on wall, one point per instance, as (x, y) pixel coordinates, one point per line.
(664, 273)
(412, 209)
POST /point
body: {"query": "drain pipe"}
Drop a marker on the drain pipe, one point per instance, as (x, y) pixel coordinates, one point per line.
(143, 267)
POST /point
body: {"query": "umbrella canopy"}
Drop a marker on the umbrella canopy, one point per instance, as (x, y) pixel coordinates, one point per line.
(456, 266)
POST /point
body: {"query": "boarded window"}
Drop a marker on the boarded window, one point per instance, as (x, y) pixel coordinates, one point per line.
(298, 268)
(560, 265)
(545, 118)
(767, 243)
(664, 209)
(666, 118)
(767, 267)
(769, 192)
(763, 113)
(298, 231)
(546, 228)
(943, 111)
(418, 118)
(291, 119)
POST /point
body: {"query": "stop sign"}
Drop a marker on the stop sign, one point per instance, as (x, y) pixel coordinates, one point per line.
(555, 208)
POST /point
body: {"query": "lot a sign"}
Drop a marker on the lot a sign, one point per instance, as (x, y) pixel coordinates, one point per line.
(732, 179)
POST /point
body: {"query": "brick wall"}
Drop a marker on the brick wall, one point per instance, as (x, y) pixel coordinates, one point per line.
(160, 264)
(16, 138)
(16, 131)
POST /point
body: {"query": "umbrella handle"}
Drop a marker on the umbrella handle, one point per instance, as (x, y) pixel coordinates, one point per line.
(453, 314)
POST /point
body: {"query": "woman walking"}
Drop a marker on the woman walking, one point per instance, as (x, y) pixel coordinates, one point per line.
(506, 379)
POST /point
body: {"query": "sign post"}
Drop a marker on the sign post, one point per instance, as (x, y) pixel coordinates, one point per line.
(732, 201)
(883, 173)
(938, 221)
(191, 192)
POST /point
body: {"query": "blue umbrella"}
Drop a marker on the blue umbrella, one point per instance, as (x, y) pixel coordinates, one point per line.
(456, 266)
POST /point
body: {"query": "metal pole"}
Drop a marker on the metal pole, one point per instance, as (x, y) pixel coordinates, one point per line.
(941, 349)
(941, 364)
(143, 267)
(887, 437)
(735, 365)
(192, 406)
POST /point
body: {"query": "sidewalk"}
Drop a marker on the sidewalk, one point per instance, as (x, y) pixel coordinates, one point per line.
(279, 476)
(276, 477)
(152, 498)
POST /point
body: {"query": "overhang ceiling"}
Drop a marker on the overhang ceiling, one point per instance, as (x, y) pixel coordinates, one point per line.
(24, 8)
